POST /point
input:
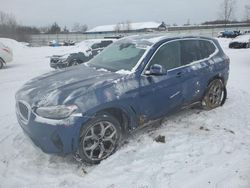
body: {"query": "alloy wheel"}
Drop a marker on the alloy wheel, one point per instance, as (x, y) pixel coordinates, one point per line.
(214, 95)
(99, 140)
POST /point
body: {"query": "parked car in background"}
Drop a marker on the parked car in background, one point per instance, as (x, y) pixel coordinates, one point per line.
(68, 43)
(83, 52)
(242, 41)
(54, 43)
(6, 55)
(88, 109)
(229, 34)
(247, 32)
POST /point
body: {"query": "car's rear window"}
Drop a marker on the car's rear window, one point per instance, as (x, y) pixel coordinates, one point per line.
(195, 50)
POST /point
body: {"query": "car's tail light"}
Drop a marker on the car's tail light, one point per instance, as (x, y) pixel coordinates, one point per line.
(6, 50)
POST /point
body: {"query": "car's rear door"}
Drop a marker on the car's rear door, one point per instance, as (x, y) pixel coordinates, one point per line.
(195, 59)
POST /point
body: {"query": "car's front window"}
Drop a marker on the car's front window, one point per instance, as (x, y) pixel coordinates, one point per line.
(122, 55)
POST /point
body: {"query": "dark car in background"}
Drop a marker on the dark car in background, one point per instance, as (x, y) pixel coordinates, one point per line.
(87, 109)
(81, 53)
(242, 41)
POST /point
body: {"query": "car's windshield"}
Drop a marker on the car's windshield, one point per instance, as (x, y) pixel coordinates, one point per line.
(122, 55)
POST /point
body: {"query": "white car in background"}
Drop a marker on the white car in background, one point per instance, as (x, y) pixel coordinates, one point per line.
(6, 55)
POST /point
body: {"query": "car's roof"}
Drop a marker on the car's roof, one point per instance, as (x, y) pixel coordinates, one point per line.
(151, 39)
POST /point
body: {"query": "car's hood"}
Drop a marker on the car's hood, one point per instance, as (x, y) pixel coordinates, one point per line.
(58, 87)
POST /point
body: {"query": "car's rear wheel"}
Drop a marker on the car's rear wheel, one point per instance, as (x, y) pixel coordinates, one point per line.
(214, 95)
(99, 138)
(1, 63)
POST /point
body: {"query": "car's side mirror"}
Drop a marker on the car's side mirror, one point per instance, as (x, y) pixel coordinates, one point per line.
(156, 70)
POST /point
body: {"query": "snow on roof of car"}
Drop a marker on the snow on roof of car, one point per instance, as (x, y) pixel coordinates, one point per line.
(242, 38)
(154, 38)
(13, 44)
(83, 46)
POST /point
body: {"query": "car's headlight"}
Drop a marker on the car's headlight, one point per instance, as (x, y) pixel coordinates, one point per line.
(56, 112)
(63, 61)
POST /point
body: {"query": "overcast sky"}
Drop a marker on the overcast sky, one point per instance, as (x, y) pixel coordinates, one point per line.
(101, 12)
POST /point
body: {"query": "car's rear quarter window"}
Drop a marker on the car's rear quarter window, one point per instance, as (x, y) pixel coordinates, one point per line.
(195, 50)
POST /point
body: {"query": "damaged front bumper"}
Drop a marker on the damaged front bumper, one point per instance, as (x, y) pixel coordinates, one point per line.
(53, 136)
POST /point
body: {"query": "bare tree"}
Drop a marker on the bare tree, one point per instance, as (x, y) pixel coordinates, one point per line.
(128, 26)
(54, 28)
(247, 13)
(117, 27)
(84, 28)
(79, 28)
(44, 29)
(76, 27)
(7, 19)
(228, 8)
(9, 28)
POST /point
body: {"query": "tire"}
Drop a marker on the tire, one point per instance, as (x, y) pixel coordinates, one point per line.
(215, 95)
(99, 138)
(74, 63)
(1, 63)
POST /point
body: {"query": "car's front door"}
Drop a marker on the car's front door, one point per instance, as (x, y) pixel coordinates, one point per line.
(159, 94)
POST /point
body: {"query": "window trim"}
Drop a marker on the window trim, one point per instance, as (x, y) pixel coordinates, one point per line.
(189, 64)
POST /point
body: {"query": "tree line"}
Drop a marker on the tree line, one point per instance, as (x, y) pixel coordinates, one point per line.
(10, 28)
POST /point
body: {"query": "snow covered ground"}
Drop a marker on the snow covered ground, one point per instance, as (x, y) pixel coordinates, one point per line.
(202, 149)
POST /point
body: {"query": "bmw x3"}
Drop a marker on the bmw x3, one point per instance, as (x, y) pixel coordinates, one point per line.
(88, 109)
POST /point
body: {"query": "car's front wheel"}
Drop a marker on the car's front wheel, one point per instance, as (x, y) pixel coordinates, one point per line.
(215, 95)
(74, 63)
(99, 138)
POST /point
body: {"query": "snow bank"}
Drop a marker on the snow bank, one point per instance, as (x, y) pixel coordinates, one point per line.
(133, 26)
(203, 148)
(242, 38)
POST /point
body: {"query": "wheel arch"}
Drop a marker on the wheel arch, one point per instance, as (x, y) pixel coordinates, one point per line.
(2, 59)
(120, 114)
(218, 76)
(2, 62)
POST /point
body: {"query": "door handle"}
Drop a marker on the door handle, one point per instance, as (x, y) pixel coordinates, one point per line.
(178, 75)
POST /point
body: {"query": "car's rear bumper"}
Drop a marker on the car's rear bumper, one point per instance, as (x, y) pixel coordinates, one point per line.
(7, 57)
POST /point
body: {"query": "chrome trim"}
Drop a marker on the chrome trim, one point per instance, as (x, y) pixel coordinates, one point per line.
(23, 119)
(191, 63)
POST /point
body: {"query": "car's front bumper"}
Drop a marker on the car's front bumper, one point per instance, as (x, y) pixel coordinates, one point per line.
(58, 64)
(53, 136)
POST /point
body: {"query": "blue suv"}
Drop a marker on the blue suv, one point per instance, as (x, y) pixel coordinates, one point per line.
(87, 109)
